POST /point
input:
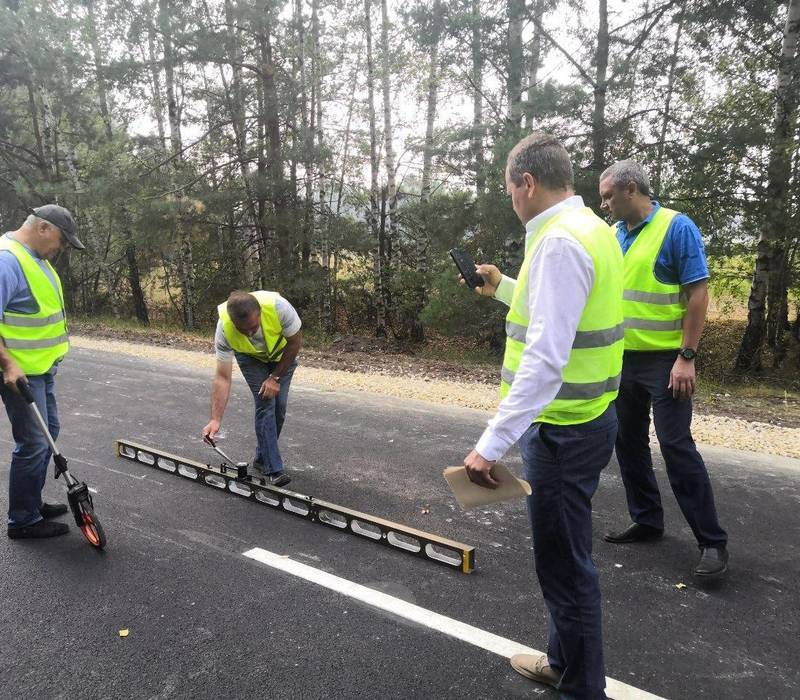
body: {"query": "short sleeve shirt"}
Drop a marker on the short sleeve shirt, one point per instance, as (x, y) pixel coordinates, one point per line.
(290, 325)
(15, 293)
(682, 258)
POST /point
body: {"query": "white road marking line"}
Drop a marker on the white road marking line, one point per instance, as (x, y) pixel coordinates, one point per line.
(427, 618)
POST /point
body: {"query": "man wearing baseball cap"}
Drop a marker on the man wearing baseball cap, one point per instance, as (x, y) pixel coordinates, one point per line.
(33, 340)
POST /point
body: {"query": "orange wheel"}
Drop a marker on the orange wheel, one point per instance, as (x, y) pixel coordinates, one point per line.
(91, 528)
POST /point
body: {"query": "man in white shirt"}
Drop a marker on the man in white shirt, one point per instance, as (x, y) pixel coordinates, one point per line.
(262, 330)
(560, 375)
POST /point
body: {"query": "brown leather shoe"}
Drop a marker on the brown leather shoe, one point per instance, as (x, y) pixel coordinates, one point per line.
(536, 668)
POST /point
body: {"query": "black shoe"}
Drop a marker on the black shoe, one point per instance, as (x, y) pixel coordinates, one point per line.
(713, 562)
(633, 533)
(38, 530)
(278, 479)
(52, 510)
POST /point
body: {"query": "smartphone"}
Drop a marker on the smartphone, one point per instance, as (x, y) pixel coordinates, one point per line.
(466, 266)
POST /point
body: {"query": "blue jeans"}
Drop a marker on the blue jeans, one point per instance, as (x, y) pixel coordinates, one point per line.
(270, 413)
(32, 454)
(563, 465)
(645, 376)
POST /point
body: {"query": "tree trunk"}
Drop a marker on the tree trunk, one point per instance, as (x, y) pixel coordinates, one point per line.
(263, 235)
(102, 96)
(421, 296)
(515, 10)
(233, 42)
(234, 98)
(182, 231)
(476, 142)
(307, 121)
(347, 132)
(769, 276)
(322, 213)
(49, 136)
(333, 275)
(391, 184)
(372, 214)
(667, 107)
(535, 61)
(36, 131)
(599, 134)
(271, 121)
(123, 217)
(155, 80)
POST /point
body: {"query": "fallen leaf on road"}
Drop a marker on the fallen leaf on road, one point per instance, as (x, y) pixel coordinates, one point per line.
(680, 586)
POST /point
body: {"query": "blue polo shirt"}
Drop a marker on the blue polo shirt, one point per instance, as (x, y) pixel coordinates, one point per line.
(682, 258)
(15, 294)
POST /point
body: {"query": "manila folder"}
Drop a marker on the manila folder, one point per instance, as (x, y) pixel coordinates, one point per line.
(471, 495)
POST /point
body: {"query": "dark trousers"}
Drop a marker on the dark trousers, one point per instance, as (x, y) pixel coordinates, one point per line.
(31, 453)
(645, 376)
(563, 465)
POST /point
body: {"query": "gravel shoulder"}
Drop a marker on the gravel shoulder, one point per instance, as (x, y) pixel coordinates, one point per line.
(443, 383)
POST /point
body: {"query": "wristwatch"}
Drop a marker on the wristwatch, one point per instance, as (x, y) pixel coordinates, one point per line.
(687, 353)
(275, 377)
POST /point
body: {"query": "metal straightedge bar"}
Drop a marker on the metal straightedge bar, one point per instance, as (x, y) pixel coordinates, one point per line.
(234, 480)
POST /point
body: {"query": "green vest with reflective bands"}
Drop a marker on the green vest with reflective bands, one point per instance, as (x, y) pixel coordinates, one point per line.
(35, 341)
(653, 310)
(592, 373)
(270, 326)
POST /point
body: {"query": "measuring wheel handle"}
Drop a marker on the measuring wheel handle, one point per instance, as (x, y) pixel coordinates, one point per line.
(25, 390)
(59, 466)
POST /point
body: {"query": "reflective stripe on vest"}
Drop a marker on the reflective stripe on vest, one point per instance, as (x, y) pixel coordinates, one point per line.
(572, 390)
(15, 344)
(590, 379)
(32, 321)
(36, 341)
(653, 310)
(583, 339)
(270, 327)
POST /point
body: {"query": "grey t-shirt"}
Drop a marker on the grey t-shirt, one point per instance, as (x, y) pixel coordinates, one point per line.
(290, 324)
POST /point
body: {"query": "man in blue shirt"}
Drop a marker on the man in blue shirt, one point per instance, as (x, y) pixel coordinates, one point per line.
(665, 303)
(30, 298)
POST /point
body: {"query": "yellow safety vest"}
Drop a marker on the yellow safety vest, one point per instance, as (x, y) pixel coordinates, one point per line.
(36, 341)
(590, 379)
(270, 326)
(653, 310)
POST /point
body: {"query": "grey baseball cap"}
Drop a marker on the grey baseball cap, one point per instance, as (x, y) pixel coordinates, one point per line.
(60, 217)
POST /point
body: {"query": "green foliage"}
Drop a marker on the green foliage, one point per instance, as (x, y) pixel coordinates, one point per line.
(454, 309)
(247, 207)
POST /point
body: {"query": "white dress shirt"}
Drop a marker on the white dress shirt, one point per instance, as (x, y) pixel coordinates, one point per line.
(560, 277)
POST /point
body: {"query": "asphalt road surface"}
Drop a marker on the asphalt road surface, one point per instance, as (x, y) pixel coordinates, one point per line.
(205, 621)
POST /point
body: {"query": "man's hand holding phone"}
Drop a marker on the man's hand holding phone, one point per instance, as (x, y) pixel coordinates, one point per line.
(491, 279)
(482, 278)
(491, 276)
